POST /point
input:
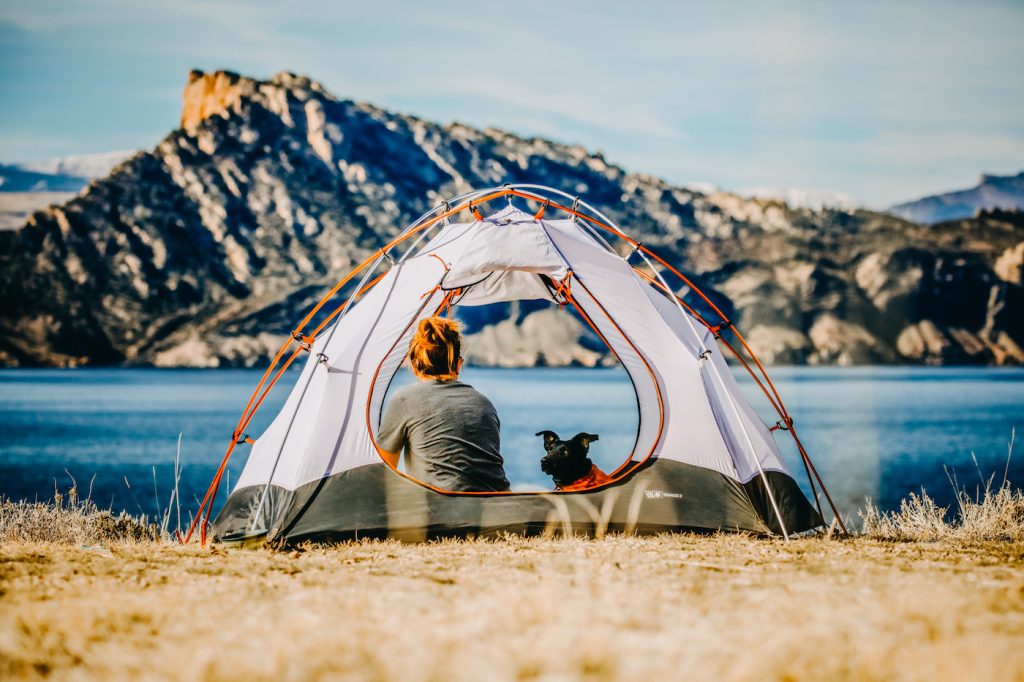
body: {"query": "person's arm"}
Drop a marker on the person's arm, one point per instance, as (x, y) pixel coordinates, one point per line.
(391, 435)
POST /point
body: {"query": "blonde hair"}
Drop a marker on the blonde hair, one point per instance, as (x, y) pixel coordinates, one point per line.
(435, 349)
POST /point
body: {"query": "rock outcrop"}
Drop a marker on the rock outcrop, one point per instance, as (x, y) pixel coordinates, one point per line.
(205, 250)
(544, 337)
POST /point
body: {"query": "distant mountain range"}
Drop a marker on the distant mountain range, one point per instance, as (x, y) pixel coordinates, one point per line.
(992, 192)
(64, 174)
(28, 187)
(204, 250)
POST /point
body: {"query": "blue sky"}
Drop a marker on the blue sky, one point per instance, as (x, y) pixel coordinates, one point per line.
(883, 101)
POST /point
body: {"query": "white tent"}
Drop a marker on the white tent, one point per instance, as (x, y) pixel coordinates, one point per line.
(703, 459)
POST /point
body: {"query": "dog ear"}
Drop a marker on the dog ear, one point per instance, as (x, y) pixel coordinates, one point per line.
(549, 438)
(585, 439)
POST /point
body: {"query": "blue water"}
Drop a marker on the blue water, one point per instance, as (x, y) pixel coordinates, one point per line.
(876, 433)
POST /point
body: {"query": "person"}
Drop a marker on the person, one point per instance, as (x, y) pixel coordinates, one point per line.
(448, 430)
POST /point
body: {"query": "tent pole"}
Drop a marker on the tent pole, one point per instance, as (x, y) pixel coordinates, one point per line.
(780, 406)
(302, 395)
(701, 362)
(753, 450)
(828, 497)
(247, 413)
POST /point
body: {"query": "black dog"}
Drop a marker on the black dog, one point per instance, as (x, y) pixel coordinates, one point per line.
(567, 462)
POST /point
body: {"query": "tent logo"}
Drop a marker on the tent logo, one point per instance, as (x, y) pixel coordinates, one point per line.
(659, 494)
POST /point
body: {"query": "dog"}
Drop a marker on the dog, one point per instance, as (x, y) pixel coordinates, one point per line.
(567, 462)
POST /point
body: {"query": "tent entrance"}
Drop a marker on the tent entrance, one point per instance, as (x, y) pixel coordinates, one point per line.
(516, 256)
(543, 342)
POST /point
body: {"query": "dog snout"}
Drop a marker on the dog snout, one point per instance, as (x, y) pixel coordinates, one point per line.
(547, 464)
(548, 461)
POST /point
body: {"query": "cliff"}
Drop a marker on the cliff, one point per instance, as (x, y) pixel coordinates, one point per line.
(206, 249)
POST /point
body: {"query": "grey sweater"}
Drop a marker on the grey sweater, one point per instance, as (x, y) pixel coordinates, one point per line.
(450, 434)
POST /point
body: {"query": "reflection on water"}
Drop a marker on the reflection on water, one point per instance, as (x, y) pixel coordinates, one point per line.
(873, 432)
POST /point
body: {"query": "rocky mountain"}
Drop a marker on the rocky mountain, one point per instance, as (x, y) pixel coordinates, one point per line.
(992, 192)
(206, 249)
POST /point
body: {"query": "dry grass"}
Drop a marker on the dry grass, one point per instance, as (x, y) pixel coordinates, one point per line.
(991, 515)
(704, 607)
(70, 520)
(997, 516)
(87, 595)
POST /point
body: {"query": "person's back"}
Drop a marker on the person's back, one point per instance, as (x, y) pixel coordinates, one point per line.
(449, 431)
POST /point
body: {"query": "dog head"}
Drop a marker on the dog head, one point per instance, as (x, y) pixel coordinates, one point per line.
(566, 461)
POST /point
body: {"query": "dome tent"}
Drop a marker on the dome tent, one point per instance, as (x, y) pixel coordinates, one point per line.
(702, 458)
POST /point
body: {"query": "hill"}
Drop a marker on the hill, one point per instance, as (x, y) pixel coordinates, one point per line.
(205, 249)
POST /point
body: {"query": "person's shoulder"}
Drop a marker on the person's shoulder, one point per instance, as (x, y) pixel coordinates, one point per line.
(406, 393)
(477, 395)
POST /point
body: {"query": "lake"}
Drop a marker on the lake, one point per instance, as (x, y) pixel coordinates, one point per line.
(875, 432)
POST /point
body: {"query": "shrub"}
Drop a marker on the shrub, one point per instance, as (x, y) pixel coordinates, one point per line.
(70, 520)
(991, 515)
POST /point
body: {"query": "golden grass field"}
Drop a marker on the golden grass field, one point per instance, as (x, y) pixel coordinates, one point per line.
(657, 608)
(917, 594)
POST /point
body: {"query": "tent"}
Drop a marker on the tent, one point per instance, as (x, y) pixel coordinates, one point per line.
(702, 458)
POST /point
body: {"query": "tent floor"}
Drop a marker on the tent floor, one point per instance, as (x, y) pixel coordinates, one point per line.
(374, 502)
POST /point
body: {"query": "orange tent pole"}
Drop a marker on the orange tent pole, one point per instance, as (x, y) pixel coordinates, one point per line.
(777, 403)
(253, 404)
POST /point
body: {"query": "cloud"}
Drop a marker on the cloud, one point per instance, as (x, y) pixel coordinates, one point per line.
(871, 98)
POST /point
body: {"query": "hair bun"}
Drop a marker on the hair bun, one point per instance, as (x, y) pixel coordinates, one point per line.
(435, 348)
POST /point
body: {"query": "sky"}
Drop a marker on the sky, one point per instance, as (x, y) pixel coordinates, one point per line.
(883, 101)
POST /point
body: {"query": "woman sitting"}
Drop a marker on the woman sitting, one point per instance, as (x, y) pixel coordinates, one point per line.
(449, 431)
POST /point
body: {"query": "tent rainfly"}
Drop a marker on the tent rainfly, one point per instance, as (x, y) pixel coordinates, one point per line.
(702, 459)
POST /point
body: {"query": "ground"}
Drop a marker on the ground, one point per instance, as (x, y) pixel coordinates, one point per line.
(668, 607)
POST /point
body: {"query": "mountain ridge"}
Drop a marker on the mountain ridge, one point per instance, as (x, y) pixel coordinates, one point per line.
(61, 174)
(993, 192)
(28, 187)
(204, 250)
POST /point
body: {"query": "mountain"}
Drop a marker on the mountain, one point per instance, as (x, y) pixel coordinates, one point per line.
(204, 250)
(65, 174)
(29, 187)
(794, 197)
(992, 192)
(88, 166)
(18, 180)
